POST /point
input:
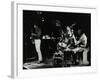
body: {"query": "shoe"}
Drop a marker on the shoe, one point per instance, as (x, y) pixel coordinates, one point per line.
(85, 63)
(38, 62)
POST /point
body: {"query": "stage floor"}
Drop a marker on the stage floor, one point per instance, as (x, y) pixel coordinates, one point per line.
(49, 64)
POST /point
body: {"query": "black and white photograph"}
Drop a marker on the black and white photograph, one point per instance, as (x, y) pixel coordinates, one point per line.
(54, 39)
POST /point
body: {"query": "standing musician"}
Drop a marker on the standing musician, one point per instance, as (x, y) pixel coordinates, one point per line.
(36, 35)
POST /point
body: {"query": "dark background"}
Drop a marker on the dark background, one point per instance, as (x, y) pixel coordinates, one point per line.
(82, 20)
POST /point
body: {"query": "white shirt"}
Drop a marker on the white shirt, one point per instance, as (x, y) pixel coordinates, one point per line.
(83, 40)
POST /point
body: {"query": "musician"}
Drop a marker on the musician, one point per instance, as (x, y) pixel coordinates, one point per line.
(66, 45)
(69, 39)
(36, 36)
(82, 46)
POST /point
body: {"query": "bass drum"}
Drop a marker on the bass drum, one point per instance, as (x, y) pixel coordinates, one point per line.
(58, 59)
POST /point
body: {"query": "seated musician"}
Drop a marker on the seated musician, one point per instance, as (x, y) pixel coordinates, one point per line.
(66, 45)
(81, 43)
(69, 39)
